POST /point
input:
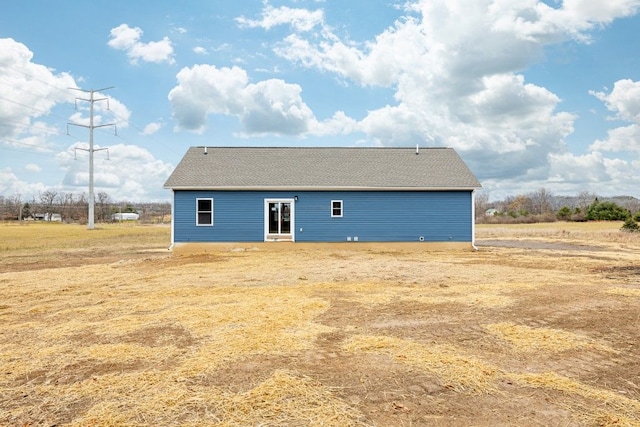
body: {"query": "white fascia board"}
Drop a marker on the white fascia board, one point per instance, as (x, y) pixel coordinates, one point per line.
(311, 188)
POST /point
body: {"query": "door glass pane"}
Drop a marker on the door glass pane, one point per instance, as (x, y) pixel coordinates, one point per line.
(274, 217)
(285, 223)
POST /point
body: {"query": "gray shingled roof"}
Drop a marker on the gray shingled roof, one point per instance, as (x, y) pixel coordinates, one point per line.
(321, 168)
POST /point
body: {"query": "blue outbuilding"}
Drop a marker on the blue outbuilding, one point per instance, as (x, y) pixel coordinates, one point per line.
(324, 194)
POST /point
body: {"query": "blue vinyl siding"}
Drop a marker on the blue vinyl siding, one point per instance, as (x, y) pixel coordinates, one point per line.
(371, 216)
(237, 217)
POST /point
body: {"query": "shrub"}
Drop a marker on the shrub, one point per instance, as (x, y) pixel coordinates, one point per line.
(606, 211)
(630, 225)
(564, 214)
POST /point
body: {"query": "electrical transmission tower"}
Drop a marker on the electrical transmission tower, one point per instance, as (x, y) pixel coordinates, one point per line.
(91, 100)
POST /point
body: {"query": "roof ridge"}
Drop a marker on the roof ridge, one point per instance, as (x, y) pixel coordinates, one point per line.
(320, 147)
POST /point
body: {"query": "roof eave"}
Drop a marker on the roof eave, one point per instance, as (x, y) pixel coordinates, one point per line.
(317, 188)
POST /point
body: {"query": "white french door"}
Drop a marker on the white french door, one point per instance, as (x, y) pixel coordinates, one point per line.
(279, 219)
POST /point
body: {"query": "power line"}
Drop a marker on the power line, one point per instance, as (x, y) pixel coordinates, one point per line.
(124, 120)
(13, 142)
(91, 150)
(33, 77)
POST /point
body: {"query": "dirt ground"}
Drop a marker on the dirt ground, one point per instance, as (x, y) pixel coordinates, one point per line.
(539, 327)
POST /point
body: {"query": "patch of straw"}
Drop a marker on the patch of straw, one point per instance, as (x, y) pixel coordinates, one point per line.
(625, 292)
(614, 406)
(283, 399)
(125, 352)
(288, 399)
(528, 339)
(134, 399)
(487, 295)
(461, 373)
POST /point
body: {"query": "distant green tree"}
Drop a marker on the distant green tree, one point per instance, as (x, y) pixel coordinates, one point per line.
(564, 213)
(26, 211)
(606, 211)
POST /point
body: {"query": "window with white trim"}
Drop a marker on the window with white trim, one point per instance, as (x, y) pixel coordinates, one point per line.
(204, 212)
(336, 208)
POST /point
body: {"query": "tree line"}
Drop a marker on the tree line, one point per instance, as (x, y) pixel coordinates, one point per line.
(543, 206)
(73, 208)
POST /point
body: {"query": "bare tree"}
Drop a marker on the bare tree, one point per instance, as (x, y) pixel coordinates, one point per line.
(16, 202)
(47, 200)
(541, 201)
(67, 205)
(481, 203)
(10, 208)
(82, 205)
(103, 206)
(584, 200)
(520, 205)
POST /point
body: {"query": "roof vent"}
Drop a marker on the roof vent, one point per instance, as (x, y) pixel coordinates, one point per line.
(417, 149)
(205, 150)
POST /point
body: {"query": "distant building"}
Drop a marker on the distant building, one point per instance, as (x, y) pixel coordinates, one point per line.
(125, 216)
(51, 217)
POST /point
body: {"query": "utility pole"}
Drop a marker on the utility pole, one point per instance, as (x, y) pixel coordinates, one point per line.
(91, 150)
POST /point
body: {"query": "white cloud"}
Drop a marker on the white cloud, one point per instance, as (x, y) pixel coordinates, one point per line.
(273, 106)
(624, 101)
(127, 39)
(598, 12)
(119, 111)
(595, 173)
(131, 173)
(124, 37)
(539, 22)
(298, 19)
(393, 125)
(29, 91)
(11, 185)
(200, 50)
(572, 174)
(32, 167)
(205, 89)
(152, 128)
(568, 168)
(625, 138)
(105, 112)
(338, 124)
(267, 107)
(455, 81)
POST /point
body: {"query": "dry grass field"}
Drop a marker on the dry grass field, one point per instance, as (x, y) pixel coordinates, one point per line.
(540, 327)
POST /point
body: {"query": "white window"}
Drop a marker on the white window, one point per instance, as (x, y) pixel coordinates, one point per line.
(204, 212)
(336, 208)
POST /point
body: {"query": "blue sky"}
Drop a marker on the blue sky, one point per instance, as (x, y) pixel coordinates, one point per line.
(532, 94)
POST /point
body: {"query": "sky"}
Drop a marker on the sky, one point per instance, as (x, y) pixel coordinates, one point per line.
(532, 94)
